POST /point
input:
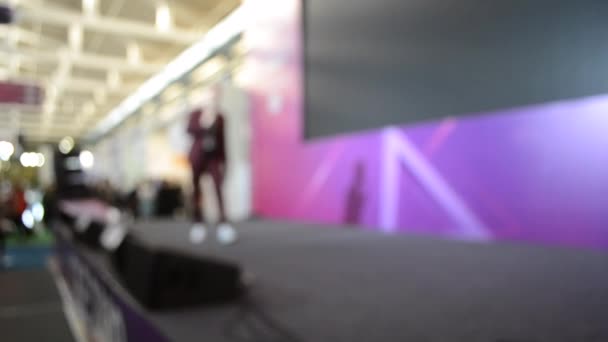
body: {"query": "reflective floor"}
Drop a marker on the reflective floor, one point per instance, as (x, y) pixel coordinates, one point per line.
(30, 306)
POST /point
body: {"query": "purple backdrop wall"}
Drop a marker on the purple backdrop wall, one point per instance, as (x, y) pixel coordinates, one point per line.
(536, 174)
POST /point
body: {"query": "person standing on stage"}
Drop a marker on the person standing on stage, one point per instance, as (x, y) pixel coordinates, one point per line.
(208, 156)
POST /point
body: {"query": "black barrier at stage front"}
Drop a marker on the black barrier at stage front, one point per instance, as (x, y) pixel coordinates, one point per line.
(106, 310)
(167, 279)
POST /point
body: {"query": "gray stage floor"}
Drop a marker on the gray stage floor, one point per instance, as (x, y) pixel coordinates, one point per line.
(335, 284)
(30, 308)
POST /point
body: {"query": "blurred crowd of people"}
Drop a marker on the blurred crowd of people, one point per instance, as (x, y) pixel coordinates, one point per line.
(148, 199)
(13, 204)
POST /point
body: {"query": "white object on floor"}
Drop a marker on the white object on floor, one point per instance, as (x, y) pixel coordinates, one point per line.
(198, 233)
(226, 234)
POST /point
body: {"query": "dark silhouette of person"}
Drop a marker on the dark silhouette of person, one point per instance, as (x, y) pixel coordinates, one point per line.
(208, 153)
(355, 198)
(208, 156)
(19, 205)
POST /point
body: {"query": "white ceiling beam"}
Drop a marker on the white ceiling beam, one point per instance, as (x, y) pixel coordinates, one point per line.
(222, 8)
(30, 114)
(31, 125)
(92, 61)
(43, 139)
(201, 20)
(84, 60)
(6, 109)
(225, 31)
(121, 27)
(195, 18)
(90, 7)
(40, 135)
(88, 85)
(28, 37)
(57, 125)
(58, 80)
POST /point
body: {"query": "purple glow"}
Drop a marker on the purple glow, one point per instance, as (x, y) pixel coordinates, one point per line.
(536, 174)
(398, 149)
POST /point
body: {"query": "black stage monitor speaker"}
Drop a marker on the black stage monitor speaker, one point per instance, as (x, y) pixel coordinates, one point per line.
(157, 278)
(164, 279)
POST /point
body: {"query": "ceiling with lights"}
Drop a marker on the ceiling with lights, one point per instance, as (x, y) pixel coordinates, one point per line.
(90, 55)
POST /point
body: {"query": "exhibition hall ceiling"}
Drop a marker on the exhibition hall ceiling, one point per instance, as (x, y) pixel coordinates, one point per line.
(89, 55)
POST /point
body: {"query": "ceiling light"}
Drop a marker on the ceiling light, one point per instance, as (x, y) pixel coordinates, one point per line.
(40, 159)
(87, 160)
(32, 159)
(38, 211)
(6, 150)
(89, 7)
(25, 159)
(75, 37)
(164, 21)
(66, 145)
(28, 219)
(133, 53)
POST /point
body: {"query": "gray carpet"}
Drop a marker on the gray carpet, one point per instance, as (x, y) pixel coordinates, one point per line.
(332, 284)
(30, 308)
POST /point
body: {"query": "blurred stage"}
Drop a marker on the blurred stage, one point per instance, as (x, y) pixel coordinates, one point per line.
(322, 283)
(338, 284)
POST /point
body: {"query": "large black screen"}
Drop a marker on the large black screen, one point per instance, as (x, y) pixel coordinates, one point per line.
(372, 63)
